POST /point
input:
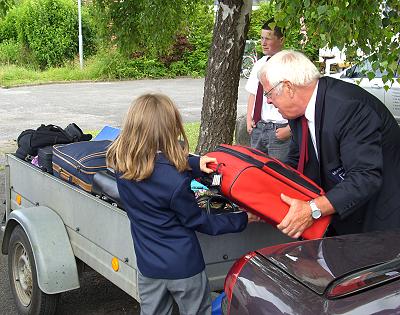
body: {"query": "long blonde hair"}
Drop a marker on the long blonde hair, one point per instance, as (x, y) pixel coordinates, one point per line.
(152, 124)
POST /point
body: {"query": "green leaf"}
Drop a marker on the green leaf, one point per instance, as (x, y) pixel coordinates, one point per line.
(322, 9)
(370, 75)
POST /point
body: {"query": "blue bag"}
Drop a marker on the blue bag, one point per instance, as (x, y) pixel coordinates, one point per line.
(77, 162)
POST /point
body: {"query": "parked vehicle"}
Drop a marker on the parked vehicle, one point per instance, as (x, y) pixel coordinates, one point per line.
(352, 274)
(53, 229)
(356, 74)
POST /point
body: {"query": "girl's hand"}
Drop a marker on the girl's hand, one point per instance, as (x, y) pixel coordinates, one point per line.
(203, 163)
(252, 218)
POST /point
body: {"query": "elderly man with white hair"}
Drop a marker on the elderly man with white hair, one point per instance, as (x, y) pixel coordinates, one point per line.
(344, 139)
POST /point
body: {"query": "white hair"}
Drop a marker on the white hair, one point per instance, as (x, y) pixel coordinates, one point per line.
(289, 65)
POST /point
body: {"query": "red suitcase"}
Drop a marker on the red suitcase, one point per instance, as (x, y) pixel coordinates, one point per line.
(255, 181)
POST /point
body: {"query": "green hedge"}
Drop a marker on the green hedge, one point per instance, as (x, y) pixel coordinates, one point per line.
(8, 25)
(47, 30)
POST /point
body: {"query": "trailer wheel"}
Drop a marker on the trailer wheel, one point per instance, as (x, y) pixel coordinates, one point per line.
(29, 299)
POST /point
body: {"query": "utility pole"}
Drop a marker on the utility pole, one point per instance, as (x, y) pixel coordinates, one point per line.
(80, 35)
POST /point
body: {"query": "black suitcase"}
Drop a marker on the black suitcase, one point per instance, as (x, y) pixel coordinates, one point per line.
(105, 187)
(45, 157)
(77, 162)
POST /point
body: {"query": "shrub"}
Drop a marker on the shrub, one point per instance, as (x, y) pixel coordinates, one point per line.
(201, 24)
(48, 29)
(12, 52)
(111, 64)
(8, 27)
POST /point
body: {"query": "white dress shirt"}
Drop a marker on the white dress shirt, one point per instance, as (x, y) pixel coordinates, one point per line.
(269, 112)
(310, 115)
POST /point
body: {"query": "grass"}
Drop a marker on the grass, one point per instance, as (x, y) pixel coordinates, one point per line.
(14, 75)
(192, 133)
(96, 68)
(191, 130)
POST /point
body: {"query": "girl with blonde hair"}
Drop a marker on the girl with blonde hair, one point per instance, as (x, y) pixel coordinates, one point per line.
(154, 172)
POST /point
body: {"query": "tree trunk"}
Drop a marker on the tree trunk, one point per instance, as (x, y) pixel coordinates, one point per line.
(218, 114)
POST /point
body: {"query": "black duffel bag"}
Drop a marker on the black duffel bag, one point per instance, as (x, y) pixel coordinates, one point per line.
(30, 140)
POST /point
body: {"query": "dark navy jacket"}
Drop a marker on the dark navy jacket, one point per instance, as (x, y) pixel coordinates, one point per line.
(358, 163)
(164, 216)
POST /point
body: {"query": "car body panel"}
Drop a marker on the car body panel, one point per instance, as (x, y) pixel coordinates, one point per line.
(293, 278)
(315, 264)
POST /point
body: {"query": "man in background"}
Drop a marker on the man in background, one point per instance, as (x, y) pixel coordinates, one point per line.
(269, 131)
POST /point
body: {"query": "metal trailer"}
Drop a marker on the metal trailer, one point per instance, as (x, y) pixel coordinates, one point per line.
(53, 228)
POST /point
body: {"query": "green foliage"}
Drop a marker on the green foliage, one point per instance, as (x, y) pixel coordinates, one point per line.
(115, 65)
(369, 25)
(5, 5)
(89, 34)
(200, 27)
(12, 52)
(148, 26)
(47, 28)
(8, 25)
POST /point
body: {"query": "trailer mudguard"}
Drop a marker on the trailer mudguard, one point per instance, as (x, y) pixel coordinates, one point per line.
(54, 259)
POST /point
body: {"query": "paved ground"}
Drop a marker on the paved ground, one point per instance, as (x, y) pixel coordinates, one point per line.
(91, 106)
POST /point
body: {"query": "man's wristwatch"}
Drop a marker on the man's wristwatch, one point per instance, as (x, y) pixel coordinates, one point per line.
(315, 211)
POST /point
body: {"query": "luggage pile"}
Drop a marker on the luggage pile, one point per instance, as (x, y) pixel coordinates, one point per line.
(244, 176)
(69, 155)
(36, 145)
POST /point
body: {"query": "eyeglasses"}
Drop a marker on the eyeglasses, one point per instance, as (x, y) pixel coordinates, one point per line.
(269, 93)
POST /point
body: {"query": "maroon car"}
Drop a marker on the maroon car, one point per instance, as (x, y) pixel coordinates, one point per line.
(352, 274)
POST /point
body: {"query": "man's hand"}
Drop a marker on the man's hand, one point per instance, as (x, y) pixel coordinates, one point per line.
(203, 163)
(298, 217)
(250, 125)
(283, 133)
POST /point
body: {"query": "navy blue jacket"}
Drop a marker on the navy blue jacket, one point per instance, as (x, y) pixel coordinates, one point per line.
(164, 216)
(358, 163)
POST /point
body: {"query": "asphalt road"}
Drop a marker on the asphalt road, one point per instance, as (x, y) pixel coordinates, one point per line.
(91, 106)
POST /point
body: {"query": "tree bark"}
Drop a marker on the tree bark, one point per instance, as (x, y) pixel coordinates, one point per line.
(218, 115)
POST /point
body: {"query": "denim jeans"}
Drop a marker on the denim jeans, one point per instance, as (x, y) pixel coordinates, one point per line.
(263, 138)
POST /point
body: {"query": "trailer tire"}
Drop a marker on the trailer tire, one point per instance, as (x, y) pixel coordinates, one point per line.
(28, 297)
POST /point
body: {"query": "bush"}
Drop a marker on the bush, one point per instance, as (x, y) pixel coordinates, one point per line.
(48, 31)
(47, 28)
(11, 52)
(200, 28)
(114, 65)
(8, 25)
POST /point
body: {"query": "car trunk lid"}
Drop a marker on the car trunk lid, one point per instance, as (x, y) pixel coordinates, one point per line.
(316, 264)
